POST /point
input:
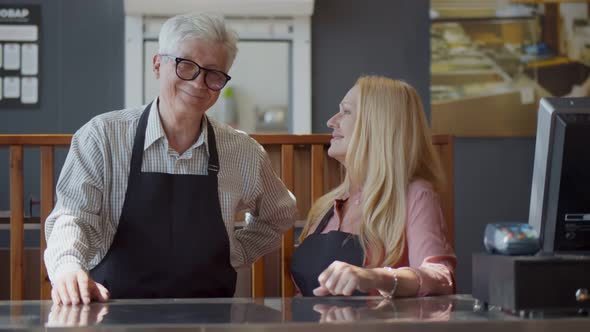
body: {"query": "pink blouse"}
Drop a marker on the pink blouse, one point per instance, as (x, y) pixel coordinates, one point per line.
(428, 252)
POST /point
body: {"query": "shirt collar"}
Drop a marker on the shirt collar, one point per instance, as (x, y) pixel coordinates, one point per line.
(346, 196)
(155, 131)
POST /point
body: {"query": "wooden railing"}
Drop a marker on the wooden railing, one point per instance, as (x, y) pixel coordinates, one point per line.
(300, 160)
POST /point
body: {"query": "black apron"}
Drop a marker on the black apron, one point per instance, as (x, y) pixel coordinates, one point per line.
(318, 251)
(171, 240)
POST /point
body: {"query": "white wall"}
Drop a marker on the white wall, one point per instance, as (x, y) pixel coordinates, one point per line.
(260, 79)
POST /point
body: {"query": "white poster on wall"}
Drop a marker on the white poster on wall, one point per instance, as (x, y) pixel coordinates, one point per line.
(11, 87)
(30, 59)
(29, 90)
(11, 56)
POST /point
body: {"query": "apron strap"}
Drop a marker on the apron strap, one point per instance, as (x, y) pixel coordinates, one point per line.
(213, 166)
(138, 143)
(324, 221)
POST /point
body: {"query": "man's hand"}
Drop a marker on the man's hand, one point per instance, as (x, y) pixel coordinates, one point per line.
(81, 315)
(343, 279)
(77, 287)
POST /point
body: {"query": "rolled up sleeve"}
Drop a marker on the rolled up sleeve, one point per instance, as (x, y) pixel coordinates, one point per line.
(272, 211)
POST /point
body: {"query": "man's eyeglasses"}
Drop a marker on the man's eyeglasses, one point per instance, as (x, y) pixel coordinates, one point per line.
(188, 70)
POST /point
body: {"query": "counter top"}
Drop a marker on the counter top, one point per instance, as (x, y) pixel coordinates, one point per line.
(444, 313)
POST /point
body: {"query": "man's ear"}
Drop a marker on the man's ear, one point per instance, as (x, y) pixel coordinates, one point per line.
(157, 61)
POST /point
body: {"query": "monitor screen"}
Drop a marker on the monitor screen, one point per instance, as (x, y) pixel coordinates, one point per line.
(560, 194)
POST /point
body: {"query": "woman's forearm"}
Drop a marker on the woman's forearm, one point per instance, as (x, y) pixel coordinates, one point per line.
(408, 282)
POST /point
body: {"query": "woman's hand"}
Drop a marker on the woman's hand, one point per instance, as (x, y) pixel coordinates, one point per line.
(334, 313)
(343, 279)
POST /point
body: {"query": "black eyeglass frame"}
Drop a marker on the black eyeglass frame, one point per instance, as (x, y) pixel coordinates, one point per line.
(178, 60)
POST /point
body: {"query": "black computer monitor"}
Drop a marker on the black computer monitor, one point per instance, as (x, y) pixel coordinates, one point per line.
(560, 195)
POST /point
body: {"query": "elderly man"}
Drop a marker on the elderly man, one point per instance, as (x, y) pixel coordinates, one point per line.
(147, 196)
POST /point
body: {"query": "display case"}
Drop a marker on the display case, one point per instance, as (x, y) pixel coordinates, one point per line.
(479, 80)
(492, 60)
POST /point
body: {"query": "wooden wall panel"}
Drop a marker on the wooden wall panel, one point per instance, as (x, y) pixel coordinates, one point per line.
(47, 199)
(17, 230)
(300, 160)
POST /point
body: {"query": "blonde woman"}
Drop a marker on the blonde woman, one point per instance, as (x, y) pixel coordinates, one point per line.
(381, 230)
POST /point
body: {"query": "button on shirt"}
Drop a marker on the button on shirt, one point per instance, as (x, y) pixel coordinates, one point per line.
(93, 182)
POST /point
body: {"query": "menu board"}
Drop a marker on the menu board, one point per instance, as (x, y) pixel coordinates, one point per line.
(20, 46)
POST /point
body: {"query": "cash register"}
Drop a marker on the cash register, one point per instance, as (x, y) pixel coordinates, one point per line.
(550, 267)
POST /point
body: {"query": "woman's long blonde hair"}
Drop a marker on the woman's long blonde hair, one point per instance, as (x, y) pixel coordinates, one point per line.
(390, 147)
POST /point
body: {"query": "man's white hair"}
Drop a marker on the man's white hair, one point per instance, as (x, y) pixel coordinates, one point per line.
(206, 27)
